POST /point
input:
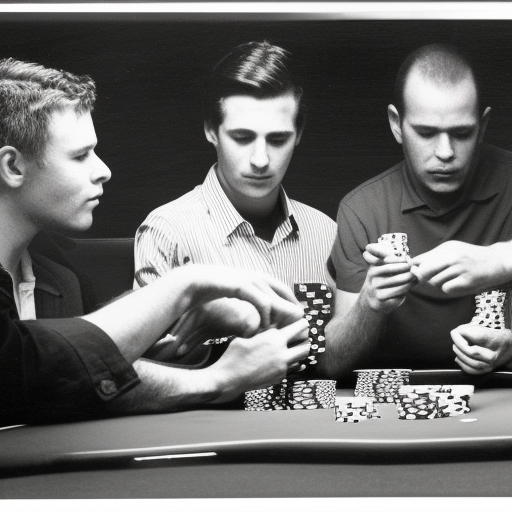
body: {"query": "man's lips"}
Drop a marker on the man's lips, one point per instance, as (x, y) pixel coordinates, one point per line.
(258, 178)
(444, 172)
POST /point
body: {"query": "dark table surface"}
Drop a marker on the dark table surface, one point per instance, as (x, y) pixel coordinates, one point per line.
(225, 453)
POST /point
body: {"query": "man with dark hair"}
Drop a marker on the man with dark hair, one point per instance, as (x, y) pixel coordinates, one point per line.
(450, 187)
(240, 216)
(72, 365)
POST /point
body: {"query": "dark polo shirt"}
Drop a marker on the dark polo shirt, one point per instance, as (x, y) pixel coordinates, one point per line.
(417, 334)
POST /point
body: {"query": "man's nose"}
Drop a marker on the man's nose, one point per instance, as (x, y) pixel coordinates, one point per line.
(101, 173)
(444, 148)
(259, 156)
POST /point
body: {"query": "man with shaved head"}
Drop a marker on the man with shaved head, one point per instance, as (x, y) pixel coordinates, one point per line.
(451, 194)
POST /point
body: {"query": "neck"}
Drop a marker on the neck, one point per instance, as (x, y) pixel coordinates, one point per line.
(265, 225)
(15, 235)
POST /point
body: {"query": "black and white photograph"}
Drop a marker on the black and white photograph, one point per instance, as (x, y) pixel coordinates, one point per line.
(252, 253)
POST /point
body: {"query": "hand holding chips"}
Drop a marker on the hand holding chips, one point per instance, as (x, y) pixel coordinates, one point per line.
(389, 277)
(480, 349)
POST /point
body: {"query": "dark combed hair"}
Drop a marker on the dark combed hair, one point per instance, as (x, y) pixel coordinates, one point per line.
(257, 69)
(29, 94)
(439, 63)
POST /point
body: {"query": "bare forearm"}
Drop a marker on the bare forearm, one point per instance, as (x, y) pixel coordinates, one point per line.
(135, 321)
(350, 339)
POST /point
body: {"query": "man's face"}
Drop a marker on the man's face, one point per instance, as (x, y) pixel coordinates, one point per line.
(440, 130)
(62, 190)
(254, 144)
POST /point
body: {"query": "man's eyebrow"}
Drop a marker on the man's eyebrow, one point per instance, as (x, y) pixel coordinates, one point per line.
(83, 149)
(247, 131)
(462, 126)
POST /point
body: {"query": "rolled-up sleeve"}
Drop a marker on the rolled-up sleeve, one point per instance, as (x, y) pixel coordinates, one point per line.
(54, 370)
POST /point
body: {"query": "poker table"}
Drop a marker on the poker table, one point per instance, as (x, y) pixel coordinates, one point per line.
(233, 453)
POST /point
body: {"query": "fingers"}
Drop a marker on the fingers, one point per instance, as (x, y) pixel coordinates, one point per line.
(296, 331)
(284, 313)
(296, 354)
(471, 358)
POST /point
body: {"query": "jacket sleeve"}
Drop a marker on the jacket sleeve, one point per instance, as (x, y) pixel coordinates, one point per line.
(58, 370)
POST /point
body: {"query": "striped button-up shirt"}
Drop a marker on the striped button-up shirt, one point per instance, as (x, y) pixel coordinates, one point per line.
(203, 227)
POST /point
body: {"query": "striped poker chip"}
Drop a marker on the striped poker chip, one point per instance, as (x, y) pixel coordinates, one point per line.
(433, 401)
(317, 311)
(355, 409)
(293, 395)
(398, 243)
(311, 394)
(383, 385)
(490, 309)
(272, 398)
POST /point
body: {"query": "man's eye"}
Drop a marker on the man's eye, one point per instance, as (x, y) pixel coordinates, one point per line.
(463, 135)
(82, 156)
(242, 139)
(280, 141)
(426, 135)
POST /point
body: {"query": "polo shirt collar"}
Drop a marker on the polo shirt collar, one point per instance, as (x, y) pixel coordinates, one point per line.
(480, 190)
(227, 217)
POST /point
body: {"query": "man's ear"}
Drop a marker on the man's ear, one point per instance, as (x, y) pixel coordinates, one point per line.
(211, 133)
(12, 167)
(299, 134)
(394, 123)
(483, 123)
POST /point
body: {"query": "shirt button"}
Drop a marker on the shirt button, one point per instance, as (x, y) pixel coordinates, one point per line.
(108, 387)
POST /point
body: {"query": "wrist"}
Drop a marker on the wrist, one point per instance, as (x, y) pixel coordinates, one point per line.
(502, 254)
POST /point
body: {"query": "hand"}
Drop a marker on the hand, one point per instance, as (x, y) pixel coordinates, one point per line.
(480, 349)
(388, 279)
(274, 301)
(260, 361)
(458, 268)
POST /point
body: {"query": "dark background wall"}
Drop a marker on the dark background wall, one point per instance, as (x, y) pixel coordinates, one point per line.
(150, 69)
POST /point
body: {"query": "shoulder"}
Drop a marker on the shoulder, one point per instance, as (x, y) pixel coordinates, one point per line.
(376, 188)
(312, 215)
(496, 156)
(178, 211)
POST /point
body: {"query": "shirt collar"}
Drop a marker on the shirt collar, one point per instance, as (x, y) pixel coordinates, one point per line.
(227, 217)
(480, 189)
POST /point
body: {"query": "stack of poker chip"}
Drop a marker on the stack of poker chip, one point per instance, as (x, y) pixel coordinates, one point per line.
(293, 395)
(429, 402)
(383, 385)
(355, 410)
(398, 243)
(272, 398)
(317, 311)
(490, 309)
(311, 394)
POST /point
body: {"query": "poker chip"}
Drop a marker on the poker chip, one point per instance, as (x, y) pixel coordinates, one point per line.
(383, 385)
(429, 402)
(355, 409)
(490, 309)
(272, 398)
(293, 395)
(317, 311)
(398, 243)
(311, 394)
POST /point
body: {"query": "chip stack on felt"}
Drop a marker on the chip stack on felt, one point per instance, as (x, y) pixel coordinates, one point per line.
(311, 394)
(383, 385)
(490, 309)
(398, 243)
(318, 300)
(429, 402)
(272, 398)
(355, 409)
(293, 395)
